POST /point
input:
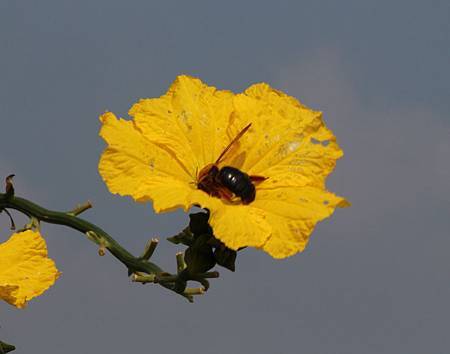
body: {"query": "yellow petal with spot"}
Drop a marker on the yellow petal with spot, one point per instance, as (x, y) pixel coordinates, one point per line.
(25, 269)
(293, 214)
(133, 166)
(190, 121)
(288, 143)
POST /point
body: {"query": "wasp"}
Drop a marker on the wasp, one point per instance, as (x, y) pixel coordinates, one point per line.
(227, 182)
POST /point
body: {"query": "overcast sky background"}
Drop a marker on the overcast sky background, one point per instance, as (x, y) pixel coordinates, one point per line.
(374, 278)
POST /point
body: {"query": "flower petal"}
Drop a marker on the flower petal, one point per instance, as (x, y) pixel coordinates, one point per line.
(279, 221)
(133, 166)
(237, 225)
(189, 121)
(25, 269)
(293, 214)
(288, 142)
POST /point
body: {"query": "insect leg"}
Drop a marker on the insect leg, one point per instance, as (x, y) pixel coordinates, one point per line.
(225, 194)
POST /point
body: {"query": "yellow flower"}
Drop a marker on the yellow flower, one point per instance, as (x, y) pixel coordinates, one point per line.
(25, 269)
(157, 157)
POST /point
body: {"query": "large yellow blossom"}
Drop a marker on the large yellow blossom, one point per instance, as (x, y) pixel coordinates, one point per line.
(25, 269)
(157, 155)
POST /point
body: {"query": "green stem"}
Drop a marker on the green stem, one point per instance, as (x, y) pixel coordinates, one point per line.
(133, 264)
(5, 347)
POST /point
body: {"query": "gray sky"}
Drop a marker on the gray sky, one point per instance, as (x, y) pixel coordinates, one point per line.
(375, 277)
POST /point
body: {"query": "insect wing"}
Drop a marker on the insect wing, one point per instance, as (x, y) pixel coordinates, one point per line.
(237, 137)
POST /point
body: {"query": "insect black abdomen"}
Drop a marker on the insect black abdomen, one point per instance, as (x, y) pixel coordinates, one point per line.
(237, 182)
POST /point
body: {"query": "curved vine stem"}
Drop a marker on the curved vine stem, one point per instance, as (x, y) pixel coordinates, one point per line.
(135, 265)
(6, 348)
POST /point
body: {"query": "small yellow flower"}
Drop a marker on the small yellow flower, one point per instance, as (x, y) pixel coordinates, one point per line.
(157, 157)
(25, 269)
